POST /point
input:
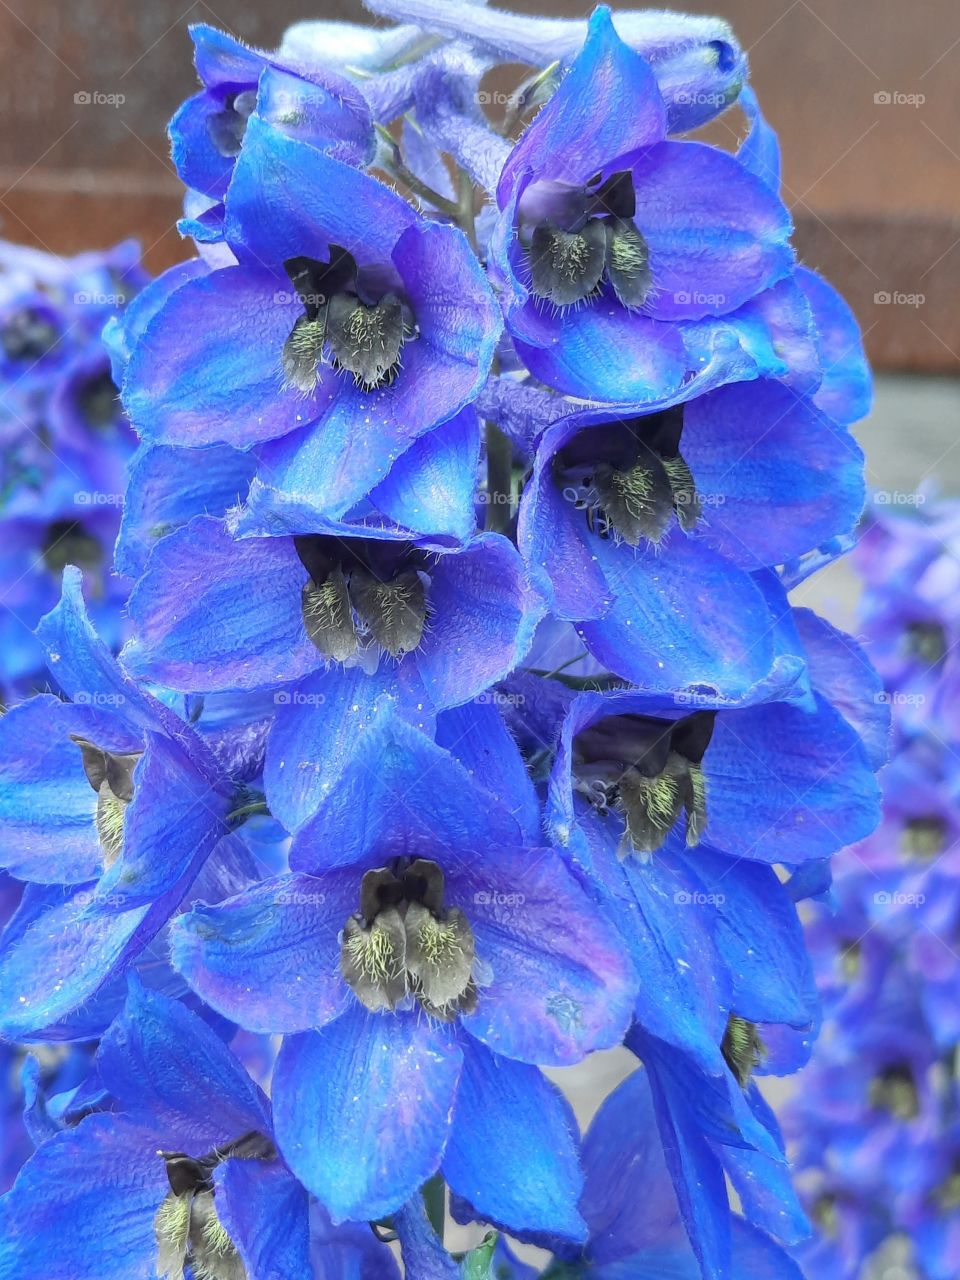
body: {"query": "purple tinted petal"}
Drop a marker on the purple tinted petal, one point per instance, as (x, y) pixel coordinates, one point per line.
(226, 384)
(561, 985)
(288, 198)
(217, 613)
(269, 958)
(160, 1059)
(776, 477)
(362, 1108)
(717, 235)
(607, 105)
(682, 615)
(483, 614)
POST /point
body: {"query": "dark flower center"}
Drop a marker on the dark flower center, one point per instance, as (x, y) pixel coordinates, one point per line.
(111, 776)
(186, 1225)
(649, 770)
(629, 477)
(363, 593)
(67, 542)
(97, 398)
(895, 1090)
(742, 1048)
(926, 641)
(28, 335)
(405, 944)
(584, 236)
(347, 320)
(228, 126)
(923, 837)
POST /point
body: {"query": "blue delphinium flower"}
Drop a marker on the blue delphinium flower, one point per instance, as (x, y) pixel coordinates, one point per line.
(598, 208)
(875, 1120)
(110, 806)
(441, 807)
(443, 961)
(372, 327)
(176, 1168)
(314, 104)
(64, 443)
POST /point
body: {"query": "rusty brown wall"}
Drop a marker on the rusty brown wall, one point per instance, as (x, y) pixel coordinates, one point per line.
(866, 96)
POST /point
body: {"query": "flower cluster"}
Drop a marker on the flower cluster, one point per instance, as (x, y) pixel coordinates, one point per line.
(466, 726)
(877, 1120)
(64, 444)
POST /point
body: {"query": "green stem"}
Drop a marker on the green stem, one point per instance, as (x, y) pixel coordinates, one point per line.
(499, 479)
(434, 1195)
(247, 810)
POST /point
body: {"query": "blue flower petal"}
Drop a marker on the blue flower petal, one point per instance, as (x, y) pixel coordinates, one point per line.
(198, 161)
(217, 613)
(47, 806)
(760, 150)
(561, 984)
(513, 1147)
(402, 793)
(777, 489)
(166, 487)
(483, 616)
(717, 235)
(317, 727)
(160, 1059)
(841, 671)
(362, 1108)
(608, 104)
(682, 615)
(785, 785)
(267, 1215)
(84, 1204)
(476, 734)
(846, 392)
(88, 672)
(758, 937)
(288, 198)
(628, 1200)
(269, 958)
(224, 386)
